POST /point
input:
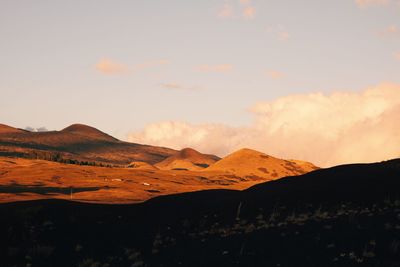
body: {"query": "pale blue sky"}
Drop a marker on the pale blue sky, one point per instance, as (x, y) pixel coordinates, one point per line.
(49, 50)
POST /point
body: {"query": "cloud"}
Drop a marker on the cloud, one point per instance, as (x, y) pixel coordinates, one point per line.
(280, 32)
(370, 3)
(213, 138)
(221, 68)
(245, 2)
(40, 129)
(396, 55)
(226, 11)
(177, 86)
(283, 35)
(109, 67)
(389, 31)
(273, 74)
(327, 129)
(172, 86)
(249, 12)
(242, 9)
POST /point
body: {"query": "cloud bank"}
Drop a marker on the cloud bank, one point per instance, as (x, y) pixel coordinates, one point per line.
(39, 130)
(326, 129)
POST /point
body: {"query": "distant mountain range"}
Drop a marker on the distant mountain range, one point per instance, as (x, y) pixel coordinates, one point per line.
(85, 145)
(77, 142)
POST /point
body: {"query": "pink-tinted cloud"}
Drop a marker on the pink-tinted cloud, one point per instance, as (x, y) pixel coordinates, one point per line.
(280, 32)
(109, 67)
(396, 55)
(326, 129)
(390, 31)
(249, 12)
(178, 86)
(239, 10)
(221, 68)
(245, 2)
(274, 74)
(370, 3)
(226, 11)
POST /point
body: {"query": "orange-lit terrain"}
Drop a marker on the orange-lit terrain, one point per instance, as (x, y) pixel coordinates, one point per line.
(24, 179)
(130, 176)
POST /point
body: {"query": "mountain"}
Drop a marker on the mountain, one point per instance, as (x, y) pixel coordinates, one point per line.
(77, 142)
(187, 159)
(8, 129)
(251, 163)
(88, 131)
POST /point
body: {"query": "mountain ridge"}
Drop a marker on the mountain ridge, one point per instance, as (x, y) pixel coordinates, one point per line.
(79, 142)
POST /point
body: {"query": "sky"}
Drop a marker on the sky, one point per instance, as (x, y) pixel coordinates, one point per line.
(311, 80)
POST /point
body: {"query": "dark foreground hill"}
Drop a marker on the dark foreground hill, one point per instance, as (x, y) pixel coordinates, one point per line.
(343, 216)
(77, 143)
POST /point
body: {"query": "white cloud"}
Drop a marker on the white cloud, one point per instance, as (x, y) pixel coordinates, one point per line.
(341, 127)
(40, 129)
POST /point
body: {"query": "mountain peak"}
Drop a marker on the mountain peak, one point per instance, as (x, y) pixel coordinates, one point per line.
(8, 129)
(248, 162)
(189, 153)
(247, 151)
(88, 131)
